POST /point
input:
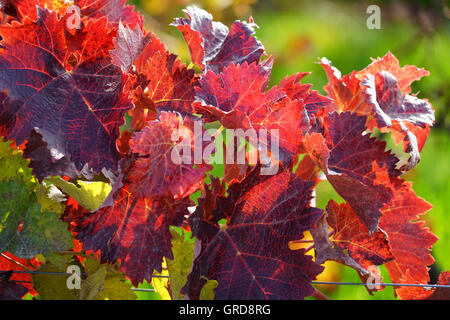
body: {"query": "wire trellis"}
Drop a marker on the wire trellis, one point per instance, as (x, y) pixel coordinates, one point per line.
(313, 282)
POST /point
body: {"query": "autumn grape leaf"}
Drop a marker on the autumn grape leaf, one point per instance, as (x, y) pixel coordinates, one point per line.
(135, 230)
(25, 230)
(213, 46)
(128, 46)
(166, 165)
(77, 109)
(389, 63)
(295, 90)
(245, 104)
(43, 162)
(116, 10)
(203, 221)
(409, 240)
(351, 235)
(9, 262)
(10, 289)
(326, 251)
(158, 82)
(357, 166)
(249, 256)
(104, 282)
(382, 90)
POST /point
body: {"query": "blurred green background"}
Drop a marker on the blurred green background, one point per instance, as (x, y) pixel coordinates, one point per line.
(296, 33)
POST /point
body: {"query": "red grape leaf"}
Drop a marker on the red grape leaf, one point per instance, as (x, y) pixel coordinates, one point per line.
(250, 257)
(135, 230)
(410, 242)
(442, 293)
(390, 104)
(404, 75)
(116, 11)
(351, 235)
(67, 105)
(246, 104)
(295, 90)
(128, 46)
(308, 170)
(10, 290)
(213, 46)
(356, 165)
(9, 10)
(161, 82)
(43, 162)
(156, 173)
(325, 250)
(203, 221)
(382, 90)
(9, 262)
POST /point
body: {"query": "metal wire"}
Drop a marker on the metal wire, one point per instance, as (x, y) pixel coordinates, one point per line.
(313, 282)
(384, 284)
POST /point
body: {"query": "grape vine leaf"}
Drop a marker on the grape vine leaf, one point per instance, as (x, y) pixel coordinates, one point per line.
(357, 166)
(160, 169)
(10, 289)
(353, 237)
(246, 104)
(9, 262)
(128, 46)
(43, 162)
(104, 282)
(134, 229)
(117, 11)
(25, 230)
(383, 90)
(295, 90)
(35, 70)
(250, 257)
(409, 239)
(213, 46)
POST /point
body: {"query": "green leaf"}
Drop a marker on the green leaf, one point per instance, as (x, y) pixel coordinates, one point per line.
(53, 286)
(207, 292)
(180, 266)
(93, 284)
(25, 230)
(89, 194)
(161, 285)
(13, 167)
(105, 282)
(50, 198)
